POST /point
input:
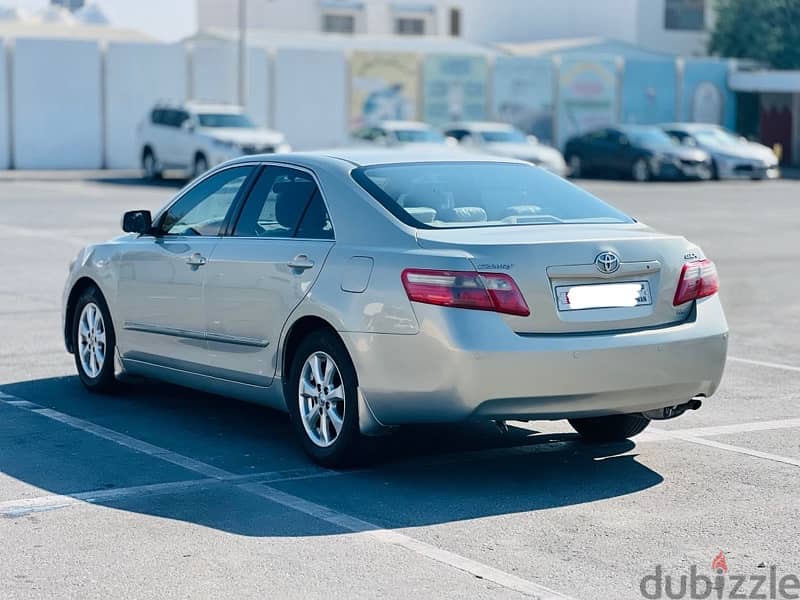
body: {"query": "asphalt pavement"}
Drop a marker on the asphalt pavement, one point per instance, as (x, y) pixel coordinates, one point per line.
(161, 492)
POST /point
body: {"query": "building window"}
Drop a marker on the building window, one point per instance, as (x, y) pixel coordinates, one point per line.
(332, 23)
(409, 26)
(685, 15)
(455, 22)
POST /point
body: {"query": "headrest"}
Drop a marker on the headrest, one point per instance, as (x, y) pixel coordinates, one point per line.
(292, 198)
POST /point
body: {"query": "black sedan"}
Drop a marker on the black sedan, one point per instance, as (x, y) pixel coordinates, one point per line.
(637, 151)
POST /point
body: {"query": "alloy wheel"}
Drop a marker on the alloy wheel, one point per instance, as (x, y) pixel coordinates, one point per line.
(92, 340)
(321, 398)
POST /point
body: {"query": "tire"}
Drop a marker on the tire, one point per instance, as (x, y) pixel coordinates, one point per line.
(337, 448)
(614, 428)
(575, 166)
(150, 165)
(94, 342)
(714, 171)
(640, 171)
(200, 165)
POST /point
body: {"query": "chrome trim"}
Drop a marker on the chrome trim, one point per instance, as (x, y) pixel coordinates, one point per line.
(196, 335)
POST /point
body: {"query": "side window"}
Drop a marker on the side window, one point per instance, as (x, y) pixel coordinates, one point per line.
(203, 209)
(458, 134)
(283, 202)
(157, 117)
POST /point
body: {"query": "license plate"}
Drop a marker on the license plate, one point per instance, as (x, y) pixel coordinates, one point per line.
(603, 295)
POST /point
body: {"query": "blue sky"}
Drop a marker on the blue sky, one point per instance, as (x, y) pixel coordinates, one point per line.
(168, 20)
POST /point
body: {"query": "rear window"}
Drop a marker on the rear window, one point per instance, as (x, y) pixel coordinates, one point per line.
(480, 194)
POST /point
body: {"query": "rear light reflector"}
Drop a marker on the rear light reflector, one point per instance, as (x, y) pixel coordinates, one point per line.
(698, 279)
(495, 292)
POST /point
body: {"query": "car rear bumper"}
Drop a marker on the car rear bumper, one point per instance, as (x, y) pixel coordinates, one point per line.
(464, 364)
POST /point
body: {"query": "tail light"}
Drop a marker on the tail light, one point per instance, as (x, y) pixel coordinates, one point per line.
(698, 280)
(495, 292)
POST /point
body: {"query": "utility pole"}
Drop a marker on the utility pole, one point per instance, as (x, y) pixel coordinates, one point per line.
(242, 62)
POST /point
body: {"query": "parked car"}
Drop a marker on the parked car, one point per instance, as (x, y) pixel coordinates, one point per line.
(502, 139)
(365, 290)
(732, 156)
(399, 133)
(193, 137)
(640, 152)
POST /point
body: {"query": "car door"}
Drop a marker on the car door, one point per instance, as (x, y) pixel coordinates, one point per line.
(161, 276)
(259, 274)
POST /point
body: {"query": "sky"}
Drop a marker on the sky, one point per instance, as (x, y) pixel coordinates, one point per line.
(168, 20)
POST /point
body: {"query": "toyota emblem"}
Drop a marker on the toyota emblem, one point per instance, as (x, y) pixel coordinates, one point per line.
(607, 262)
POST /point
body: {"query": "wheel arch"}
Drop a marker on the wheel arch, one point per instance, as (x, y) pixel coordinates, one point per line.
(81, 285)
(294, 335)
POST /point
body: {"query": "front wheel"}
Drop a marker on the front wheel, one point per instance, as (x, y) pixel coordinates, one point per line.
(575, 166)
(200, 166)
(322, 400)
(94, 342)
(613, 428)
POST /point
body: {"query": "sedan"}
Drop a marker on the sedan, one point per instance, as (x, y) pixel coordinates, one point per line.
(365, 290)
(733, 157)
(639, 152)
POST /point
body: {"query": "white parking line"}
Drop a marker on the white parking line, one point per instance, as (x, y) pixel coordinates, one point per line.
(345, 521)
(763, 363)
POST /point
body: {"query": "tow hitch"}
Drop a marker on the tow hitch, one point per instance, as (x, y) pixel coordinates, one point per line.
(670, 412)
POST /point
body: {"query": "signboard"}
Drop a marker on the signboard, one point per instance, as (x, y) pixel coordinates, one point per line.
(587, 96)
(522, 94)
(455, 88)
(383, 86)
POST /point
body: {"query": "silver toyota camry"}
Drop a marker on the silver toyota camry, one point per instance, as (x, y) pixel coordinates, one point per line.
(362, 290)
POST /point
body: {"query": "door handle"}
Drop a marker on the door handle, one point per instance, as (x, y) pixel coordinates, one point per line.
(196, 260)
(301, 262)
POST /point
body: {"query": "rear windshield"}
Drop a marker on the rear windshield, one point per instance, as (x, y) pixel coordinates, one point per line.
(479, 194)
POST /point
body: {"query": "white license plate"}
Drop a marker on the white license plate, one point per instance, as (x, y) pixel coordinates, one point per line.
(603, 295)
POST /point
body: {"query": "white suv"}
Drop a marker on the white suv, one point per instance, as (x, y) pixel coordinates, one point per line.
(195, 137)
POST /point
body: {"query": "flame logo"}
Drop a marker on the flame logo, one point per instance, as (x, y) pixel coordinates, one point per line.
(719, 564)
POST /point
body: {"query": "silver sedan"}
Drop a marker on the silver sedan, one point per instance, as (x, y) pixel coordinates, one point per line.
(364, 290)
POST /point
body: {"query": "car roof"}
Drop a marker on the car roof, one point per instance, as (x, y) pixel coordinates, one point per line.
(418, 125)
(214, 108)
(362, 157)
(689, 126)
(479, 126)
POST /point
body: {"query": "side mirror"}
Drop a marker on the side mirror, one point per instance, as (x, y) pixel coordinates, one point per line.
(137, 221)
(532, 139)
(187, 125)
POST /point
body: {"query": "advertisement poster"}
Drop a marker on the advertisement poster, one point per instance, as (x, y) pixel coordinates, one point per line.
(383, 86)
(587, 96)
(522, 94)
(455, 88)
(649, 91)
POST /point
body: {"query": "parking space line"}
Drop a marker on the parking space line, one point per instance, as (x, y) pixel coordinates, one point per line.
(728, 447)
(401, 540)
(763, 363)
(346, 522)
(736, 428)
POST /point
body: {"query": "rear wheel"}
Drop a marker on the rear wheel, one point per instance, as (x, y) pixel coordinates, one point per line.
(150, 165)
(94, 342)
(613, 428)
(640, 171)
(322, 400)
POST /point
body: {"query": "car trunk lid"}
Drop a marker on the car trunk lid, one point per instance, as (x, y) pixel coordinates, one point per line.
(548, 263)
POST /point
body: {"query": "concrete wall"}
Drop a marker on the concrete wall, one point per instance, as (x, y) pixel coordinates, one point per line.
(311, 97)
(57, 104)
(649, 91)
(138, 76)
(214, 77)
(5, 150)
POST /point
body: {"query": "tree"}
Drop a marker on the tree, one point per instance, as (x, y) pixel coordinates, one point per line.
(764, 30)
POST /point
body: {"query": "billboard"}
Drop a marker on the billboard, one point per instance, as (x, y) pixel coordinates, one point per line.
(522, 94)
(649, 91)
(455, 88)
(383, 86)
(587, 95)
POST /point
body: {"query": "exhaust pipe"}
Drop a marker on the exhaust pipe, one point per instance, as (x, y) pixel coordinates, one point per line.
(670, 412)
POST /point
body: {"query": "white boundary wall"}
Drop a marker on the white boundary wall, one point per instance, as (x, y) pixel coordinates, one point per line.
(5, 132)
(311, 97)
(137, 75)
(57, 104)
